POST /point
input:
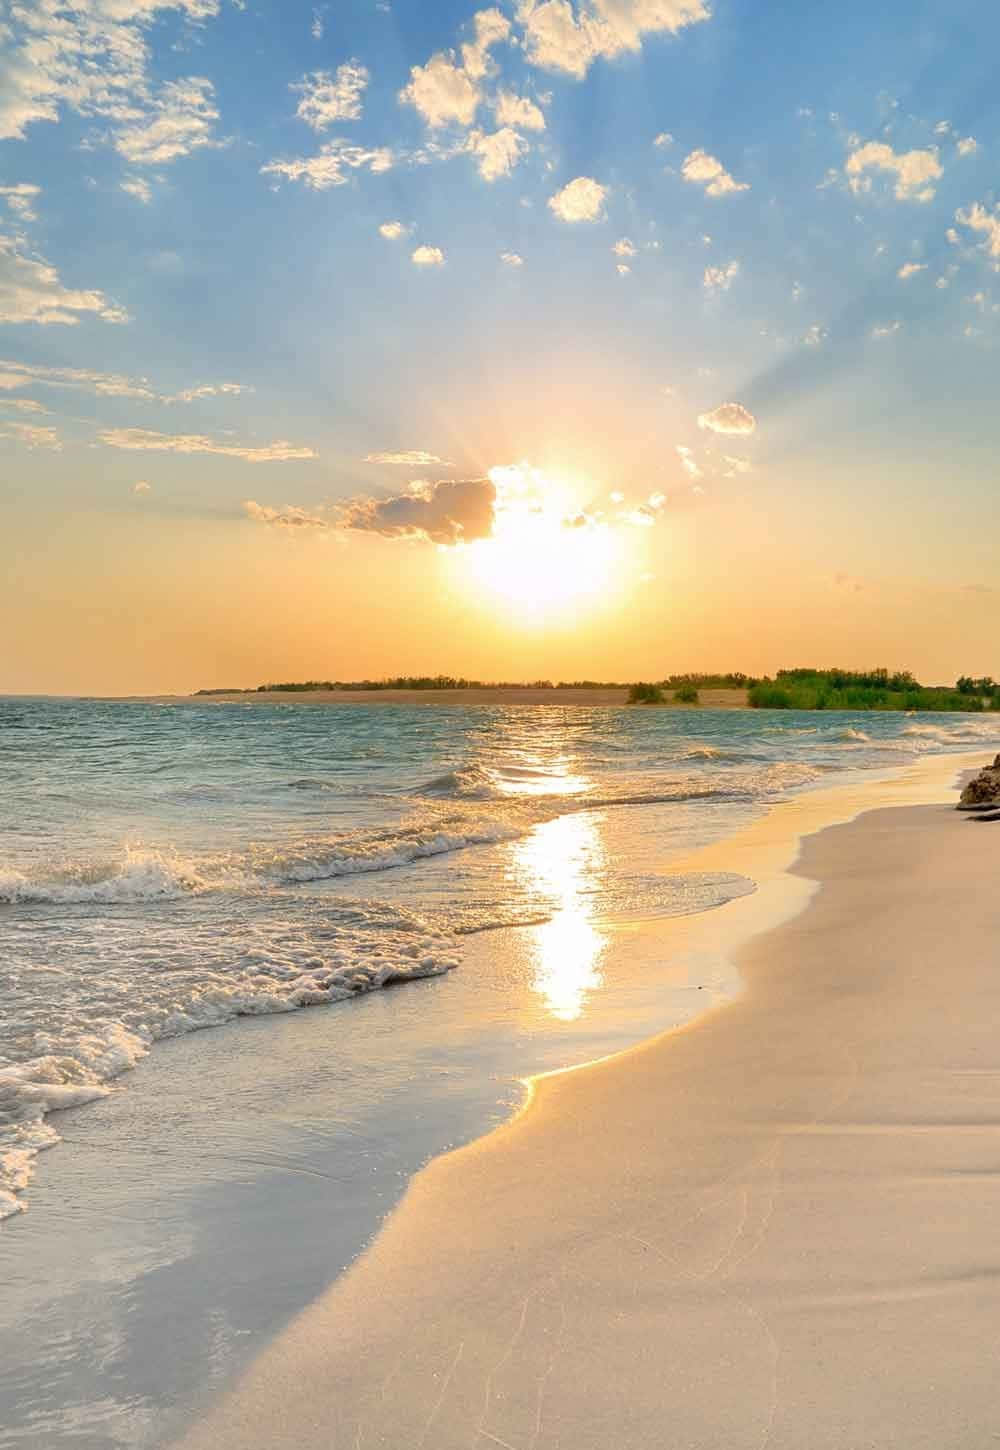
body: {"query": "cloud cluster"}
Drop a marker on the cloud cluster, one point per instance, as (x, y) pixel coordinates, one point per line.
(107, 385)
(709, 172)
(559, 36)
(327, 98)
(20, 200)
(146, 440)
(728, 418)
(915, 171)
(449, 512)
(331, 166)
(447, 90)
(497, 153)
(31, 290)
(580, 200)
(720, 279)
(92, 57)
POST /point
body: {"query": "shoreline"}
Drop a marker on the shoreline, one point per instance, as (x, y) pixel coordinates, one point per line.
(516, 1165)
(613, 699)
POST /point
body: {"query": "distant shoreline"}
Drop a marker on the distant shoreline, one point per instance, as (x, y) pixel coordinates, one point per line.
(487, 695)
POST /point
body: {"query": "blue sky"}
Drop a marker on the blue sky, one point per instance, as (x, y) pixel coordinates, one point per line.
(249, 246)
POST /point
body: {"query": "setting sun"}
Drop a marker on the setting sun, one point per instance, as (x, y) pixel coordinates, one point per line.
(551, 548)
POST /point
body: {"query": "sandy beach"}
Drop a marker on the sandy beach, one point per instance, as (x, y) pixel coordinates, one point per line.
(773, 1227)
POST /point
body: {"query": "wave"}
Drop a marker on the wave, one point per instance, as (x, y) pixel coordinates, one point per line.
(140, 876)
(858, 737)
(230, 973)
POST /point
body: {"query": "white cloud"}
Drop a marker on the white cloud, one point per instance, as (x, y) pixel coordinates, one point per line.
(624, 247)
(330, 167)
(910, 269)
(444, 513)
(915, 171)
(327, 98)
(31, 435)
(720, 279)
(138, 187)
(424, 256)
(511, 259)
(498, 153)
(885, 329)
(142, 487)
(623, 269)
(106, 385)
(814, 335)
(663, 139)
(21, 405)
(512, 110)
(561, 37)
(176, 122)
(728, 418)
(31, 290)
(967, 146)
(978, 219)
(688, 462)
(316, 28)
(708, 171)
(409, 458)
(736, 465)
(20, 199)
(446, 91)
(289, 517)
(392, 231)
(580, 200)
(145, 440)
(93, 57)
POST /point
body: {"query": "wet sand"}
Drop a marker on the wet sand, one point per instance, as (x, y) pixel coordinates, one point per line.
(773, 1227)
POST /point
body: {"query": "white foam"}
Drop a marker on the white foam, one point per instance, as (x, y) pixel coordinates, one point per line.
(140, 875)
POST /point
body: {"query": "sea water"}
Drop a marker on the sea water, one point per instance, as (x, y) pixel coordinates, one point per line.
(167, 867)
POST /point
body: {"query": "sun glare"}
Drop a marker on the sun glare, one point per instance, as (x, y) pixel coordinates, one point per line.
(548, 553)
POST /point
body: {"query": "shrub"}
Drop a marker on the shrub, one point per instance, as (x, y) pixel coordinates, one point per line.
(686, 695)
(645, 694)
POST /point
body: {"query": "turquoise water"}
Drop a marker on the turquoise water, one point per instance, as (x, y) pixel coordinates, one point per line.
(167, 867)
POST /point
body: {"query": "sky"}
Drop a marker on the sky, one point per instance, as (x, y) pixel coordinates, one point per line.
(559, 338)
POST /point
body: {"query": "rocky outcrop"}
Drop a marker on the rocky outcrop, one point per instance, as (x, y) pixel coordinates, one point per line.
(984, 790)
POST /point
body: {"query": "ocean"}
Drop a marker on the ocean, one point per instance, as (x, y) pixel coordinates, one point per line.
(169, 867)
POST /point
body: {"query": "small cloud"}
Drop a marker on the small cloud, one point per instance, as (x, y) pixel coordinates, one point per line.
(408, 458)
(512, 259)
(580, 200)
(656, 500)
(915, 171)
(967, 146)
(146, 440)
(512, 110)
(289, 517)
(392, 231)
(736, 465)
(624, 248)
(427, 257)
(978, 219)
(910, 269)
(709, 172)
(316, 28)
(623, 269)
(327, 98)
(720, 279)
(728, 418)
(31, 435)
(138, 187)
(20, 199)
(19, 405)
(497, 152)
(885, 329)
(32, 291)
(449, 512)
(814, 336)
(952, 236)
(688, 463)
(329, 167)
(663, 139)
(142, 487)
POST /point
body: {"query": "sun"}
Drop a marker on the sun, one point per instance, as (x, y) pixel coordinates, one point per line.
(548, 554)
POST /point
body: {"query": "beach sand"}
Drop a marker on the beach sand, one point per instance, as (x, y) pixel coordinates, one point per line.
(775, 1227)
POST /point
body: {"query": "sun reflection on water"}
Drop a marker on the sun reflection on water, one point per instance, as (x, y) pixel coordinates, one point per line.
(563, 862)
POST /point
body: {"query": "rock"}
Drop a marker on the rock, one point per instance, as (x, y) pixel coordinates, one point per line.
(983, 790)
